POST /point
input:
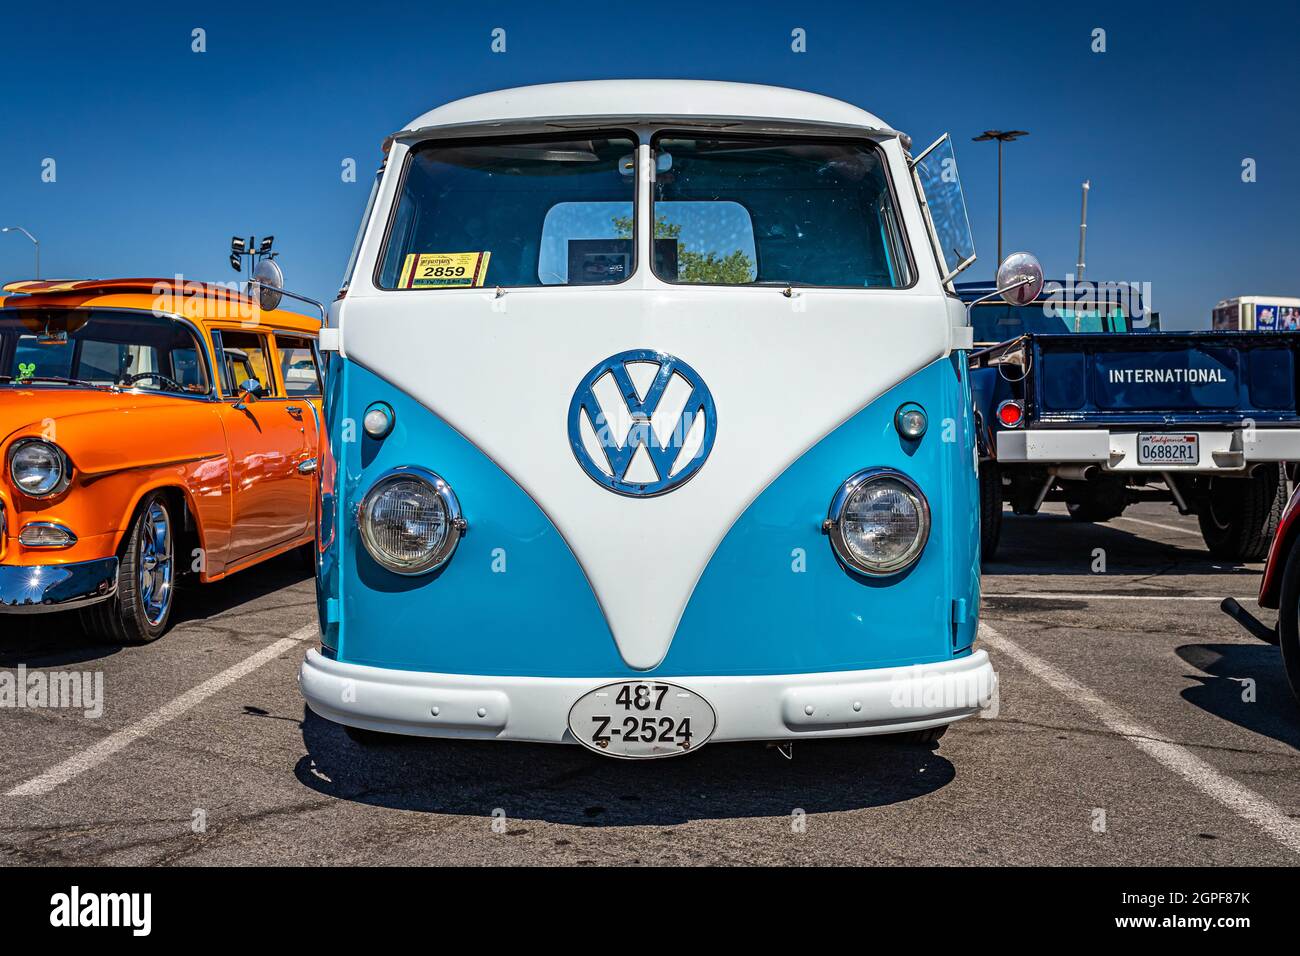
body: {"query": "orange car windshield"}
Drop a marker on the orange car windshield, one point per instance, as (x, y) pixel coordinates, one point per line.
(100, 348)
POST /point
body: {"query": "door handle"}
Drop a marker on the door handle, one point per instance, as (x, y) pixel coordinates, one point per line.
(307, 466)
(294, 410)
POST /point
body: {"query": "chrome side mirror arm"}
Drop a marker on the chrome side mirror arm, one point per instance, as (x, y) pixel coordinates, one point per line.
(255, 287)
(1000, 291)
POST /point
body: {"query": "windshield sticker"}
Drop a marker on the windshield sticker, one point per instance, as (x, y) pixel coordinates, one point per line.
(26, 369)
(440, 270)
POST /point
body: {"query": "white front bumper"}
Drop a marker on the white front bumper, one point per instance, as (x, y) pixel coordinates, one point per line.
(1221, 450)
(768, 707)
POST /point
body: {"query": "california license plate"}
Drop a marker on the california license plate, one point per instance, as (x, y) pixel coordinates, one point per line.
(1164, 449)
(642, 719)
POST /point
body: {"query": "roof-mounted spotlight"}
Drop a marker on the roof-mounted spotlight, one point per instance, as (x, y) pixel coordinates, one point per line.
(236, 263)
(265, 247)
(238, 245)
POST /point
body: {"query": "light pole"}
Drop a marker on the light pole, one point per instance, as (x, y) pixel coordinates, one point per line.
(1002, 136)
(36, 242)
(240, 247)
(1083, 231)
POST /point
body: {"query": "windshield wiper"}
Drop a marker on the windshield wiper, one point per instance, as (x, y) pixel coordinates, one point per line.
(58, 379)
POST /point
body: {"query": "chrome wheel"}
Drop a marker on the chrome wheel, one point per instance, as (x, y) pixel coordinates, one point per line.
(154, 572)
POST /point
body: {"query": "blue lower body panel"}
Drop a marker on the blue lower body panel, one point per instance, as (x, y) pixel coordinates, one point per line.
(514, 601)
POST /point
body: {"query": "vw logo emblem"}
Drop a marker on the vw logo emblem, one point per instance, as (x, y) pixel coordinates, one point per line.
(642, 423)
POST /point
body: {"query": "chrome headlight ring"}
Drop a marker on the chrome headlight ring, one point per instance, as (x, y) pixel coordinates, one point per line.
(453, 522)
(60, 477)
(857, 484)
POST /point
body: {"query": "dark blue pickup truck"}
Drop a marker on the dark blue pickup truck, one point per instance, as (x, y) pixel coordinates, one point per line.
(1082, 399)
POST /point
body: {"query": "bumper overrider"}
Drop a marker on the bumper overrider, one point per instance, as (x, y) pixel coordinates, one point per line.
(36, 588)
(764, 707)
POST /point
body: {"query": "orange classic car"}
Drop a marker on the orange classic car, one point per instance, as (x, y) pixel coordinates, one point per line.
(149, 429)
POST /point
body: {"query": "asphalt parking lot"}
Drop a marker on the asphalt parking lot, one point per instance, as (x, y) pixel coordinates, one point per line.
(1136, 725)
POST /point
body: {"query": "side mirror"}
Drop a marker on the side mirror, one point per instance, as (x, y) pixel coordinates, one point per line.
(1020, 278)
(250, 390)
(269, 279)
(1019, 282)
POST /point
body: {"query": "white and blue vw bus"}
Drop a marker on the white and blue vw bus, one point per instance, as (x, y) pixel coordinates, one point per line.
(648, 425)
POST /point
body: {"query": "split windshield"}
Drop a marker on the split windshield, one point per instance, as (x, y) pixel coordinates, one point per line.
(514, 213)
(728, 210)
(99, 348)
(742, 210)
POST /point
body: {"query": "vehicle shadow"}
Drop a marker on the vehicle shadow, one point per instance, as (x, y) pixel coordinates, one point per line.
(1222, 690)
(1054, 544)
(571, 785)
(48, 640)
(55, 639)
(198, 602)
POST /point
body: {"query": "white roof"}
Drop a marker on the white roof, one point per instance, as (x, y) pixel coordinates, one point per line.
(650, 100)
(1260, 299)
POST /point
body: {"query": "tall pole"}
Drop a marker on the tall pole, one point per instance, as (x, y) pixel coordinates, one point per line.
(1000, 142)
(36, 242)
(1002, 136)
(1083, 231)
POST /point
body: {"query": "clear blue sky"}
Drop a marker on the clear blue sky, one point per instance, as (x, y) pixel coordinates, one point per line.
(162, 154)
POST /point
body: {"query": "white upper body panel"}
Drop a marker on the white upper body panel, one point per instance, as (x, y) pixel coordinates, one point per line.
(637, 102)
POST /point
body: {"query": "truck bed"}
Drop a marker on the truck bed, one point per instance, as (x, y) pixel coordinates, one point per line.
(1165, 378)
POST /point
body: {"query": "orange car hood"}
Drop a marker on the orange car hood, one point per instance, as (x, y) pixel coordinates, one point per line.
(102, 430)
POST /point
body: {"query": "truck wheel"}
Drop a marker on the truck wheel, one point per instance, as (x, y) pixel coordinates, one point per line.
(146, 578)
(1098, 500)
(1288, 622)
(990, 509)
(1239, 516)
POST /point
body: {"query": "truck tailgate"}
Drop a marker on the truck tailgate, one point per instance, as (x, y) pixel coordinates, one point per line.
(1174, 377)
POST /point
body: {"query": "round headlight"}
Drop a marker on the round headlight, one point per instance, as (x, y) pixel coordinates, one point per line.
(410, 521)
(879, 522)
(37, 467)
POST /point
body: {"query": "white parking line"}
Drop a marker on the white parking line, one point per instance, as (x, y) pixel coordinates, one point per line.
(1157, 524)
(1067, 596)
(98, 753)
(1241, 800)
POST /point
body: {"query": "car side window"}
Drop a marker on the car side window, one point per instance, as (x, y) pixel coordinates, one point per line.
(244, 355)
(298, 368)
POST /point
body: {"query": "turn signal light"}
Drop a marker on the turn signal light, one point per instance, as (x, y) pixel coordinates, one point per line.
(45, 534)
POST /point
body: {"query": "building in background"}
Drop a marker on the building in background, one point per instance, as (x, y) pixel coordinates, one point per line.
(1257, 313)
